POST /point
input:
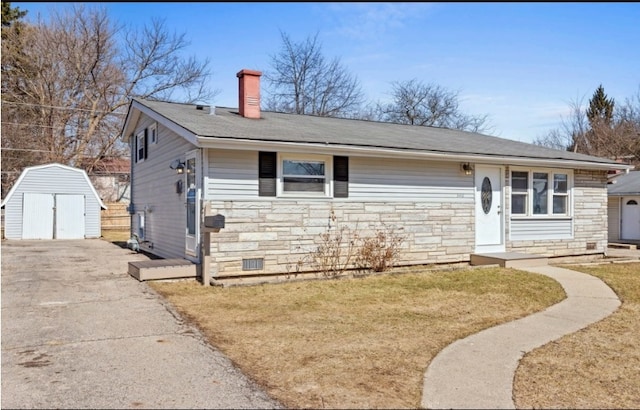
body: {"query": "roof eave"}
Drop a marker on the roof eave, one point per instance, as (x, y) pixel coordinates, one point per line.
(247, 144)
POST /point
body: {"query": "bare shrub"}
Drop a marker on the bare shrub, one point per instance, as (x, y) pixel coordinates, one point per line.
(336, 248)
(380, 251)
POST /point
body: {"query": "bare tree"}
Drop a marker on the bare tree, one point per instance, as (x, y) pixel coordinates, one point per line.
(417, 103)
(302, 81)
(603, 129)
(66, 85)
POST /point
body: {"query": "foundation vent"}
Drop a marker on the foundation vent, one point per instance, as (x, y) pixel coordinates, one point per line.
(253, 264)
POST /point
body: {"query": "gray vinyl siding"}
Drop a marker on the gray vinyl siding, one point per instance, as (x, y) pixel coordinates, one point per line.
(233, 175)
(613, 211)
(154, 192)
(533, 229)
(372, 179)
(52, 180)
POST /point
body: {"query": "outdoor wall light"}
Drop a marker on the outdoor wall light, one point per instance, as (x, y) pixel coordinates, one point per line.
(178, 166)
(466, 168)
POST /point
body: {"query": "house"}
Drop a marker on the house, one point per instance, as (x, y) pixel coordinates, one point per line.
(244, 192)
(110, 177)
(52, 201)
(624, 207)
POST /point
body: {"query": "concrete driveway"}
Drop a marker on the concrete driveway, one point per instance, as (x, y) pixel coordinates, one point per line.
(79, 332)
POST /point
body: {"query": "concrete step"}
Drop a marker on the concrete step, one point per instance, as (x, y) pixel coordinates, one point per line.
(156, 269)
(508, 259)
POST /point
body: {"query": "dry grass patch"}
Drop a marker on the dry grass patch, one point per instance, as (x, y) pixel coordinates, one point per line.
(355, 343)
(112, 235)
(597, 367)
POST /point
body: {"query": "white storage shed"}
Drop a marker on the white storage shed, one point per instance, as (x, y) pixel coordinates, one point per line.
(52, 201)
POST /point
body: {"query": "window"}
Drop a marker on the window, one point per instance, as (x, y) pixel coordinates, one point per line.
(141, 146)
(303, 175)
(153, 134)
(519, 192)
(539, 193)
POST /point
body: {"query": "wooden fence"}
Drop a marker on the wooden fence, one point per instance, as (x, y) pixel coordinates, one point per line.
(115, 217)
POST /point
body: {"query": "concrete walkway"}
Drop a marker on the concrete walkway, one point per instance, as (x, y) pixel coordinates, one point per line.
(477, 372)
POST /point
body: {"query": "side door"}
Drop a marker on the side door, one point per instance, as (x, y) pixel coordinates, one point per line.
(192, 204)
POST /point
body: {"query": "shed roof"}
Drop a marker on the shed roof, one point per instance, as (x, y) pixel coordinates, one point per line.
(27, 170)
(625, 184)
(272, 127)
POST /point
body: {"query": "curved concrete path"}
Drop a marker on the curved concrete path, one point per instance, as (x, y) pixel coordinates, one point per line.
(477, 372)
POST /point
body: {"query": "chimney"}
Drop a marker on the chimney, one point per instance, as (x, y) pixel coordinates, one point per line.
(249, 93)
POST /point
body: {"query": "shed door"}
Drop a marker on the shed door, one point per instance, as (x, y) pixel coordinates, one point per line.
(37, 216)
(630, 218)
(70, 218)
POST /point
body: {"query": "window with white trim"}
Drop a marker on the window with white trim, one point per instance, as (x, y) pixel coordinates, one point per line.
(540, 193)
(153, 133)
(141, 145)
(304, 175)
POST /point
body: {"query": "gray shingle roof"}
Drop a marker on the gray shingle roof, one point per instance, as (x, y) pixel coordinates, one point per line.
(625, 184)
(281, 127)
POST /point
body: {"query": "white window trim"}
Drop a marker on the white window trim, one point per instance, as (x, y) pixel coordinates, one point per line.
(153, 133)
(139, 141)
(551, 193)
(328, 176)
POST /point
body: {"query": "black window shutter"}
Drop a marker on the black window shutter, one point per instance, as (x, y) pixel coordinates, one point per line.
(146, 142)
(134, 144)
(340, 177)
(267, 164)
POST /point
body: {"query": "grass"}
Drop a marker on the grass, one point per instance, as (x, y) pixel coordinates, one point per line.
(355, 343)
(597, 367)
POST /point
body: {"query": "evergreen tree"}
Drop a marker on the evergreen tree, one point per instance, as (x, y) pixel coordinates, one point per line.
(600, 111)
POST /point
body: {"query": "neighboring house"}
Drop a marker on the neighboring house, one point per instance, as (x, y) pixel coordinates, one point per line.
(52, 201)
(110, 177)
(273, 179)
(624, 207)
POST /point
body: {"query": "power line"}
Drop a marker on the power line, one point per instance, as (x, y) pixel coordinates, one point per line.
(63, 108)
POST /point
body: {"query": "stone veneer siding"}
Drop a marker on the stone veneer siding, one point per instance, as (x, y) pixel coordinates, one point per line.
(589, 222)
(283, 231)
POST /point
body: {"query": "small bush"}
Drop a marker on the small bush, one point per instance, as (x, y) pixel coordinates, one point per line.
(379, 252)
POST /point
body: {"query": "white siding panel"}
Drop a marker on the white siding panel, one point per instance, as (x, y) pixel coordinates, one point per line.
(532, 229)
(232, 175)
(613, 211)
(154, 192)
(375, 179)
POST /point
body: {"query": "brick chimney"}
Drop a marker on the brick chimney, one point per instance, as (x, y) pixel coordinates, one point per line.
(249, 93)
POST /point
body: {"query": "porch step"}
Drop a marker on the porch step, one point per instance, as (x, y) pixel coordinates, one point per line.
(508, 259)
(155, 269)
(623, 245)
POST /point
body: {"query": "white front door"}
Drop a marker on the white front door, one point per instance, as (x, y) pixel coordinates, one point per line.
(70, 216)
(489, 215)
(192, 205)
(630, 218)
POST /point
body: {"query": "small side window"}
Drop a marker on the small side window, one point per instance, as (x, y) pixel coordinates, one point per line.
(153, 134)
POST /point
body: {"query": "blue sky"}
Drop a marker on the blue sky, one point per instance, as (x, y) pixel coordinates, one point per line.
(520, 63)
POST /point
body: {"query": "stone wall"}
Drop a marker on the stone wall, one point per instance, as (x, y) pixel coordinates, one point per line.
(284, 231)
